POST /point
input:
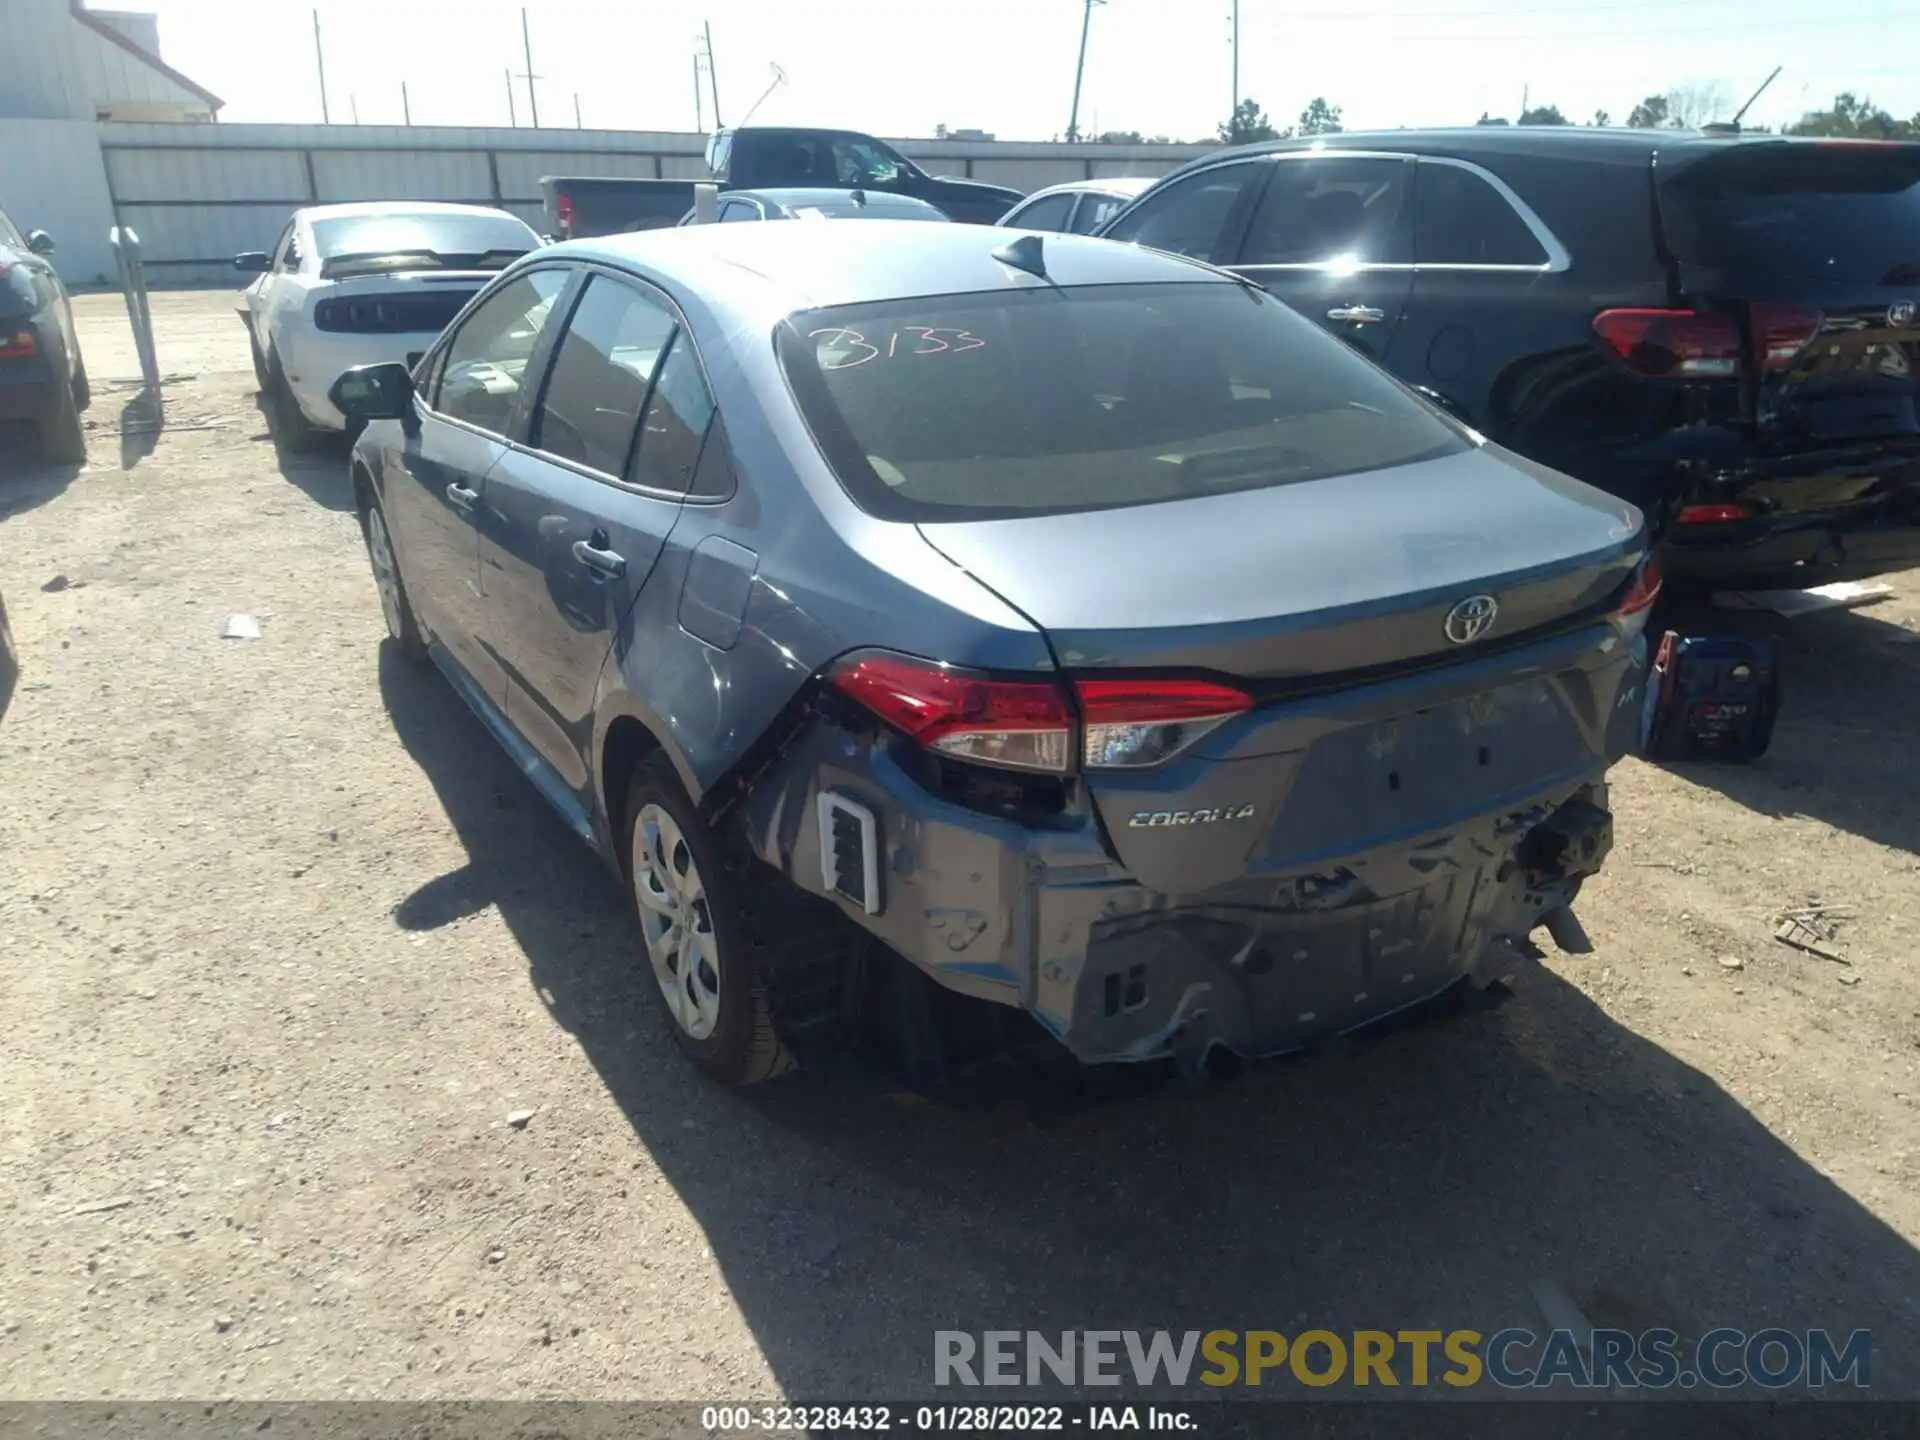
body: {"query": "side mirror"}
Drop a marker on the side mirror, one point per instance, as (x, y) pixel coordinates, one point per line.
(253, 262)
(374, 392)
(40, 242)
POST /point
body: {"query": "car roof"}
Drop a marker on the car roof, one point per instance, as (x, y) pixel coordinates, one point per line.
(795, 197)
(1122, 185)
(755, 272)
(347, 210)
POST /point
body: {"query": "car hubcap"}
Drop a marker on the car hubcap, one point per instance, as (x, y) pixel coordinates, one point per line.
(677, 923)
(386, 574)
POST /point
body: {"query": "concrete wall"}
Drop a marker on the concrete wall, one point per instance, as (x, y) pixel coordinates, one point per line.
(51, 179)
(197, 194)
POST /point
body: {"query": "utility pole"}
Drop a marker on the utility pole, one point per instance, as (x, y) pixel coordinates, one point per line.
(354, 101)
(576, 112)
(512, 119)
(1233, 115)
(699, 101)
(320, 60)
(1080, 69)
(526, 42)
(713, 80)
(406, 110)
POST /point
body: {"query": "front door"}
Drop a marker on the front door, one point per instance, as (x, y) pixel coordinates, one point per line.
(465, 416)
(578, 516)
(1332, 236)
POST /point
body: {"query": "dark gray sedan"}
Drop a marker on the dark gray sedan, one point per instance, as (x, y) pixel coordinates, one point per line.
(1076, 621)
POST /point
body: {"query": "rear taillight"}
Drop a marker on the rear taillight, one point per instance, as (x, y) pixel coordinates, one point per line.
(1636, 605)
(1781, 332)
(1671, 344)
(1024, 724)
(563, 212)
(1030, 724)
(21, 345)
(1712, 514)
(1142, 722)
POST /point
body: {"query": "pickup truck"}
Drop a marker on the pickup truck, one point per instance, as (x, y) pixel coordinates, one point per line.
(580, 206)
(768, 157)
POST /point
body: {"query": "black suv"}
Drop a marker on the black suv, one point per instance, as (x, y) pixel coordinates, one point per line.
(1721, 329)
(42, 379)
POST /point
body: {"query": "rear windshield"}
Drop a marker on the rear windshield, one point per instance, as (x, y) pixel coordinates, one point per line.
(423, 237)
(1830, 211)
(1044, 400)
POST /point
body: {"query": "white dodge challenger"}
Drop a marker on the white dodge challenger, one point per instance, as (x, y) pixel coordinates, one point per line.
(350, 285)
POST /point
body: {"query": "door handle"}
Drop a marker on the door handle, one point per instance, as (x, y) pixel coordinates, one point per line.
(600, 559)
(1356, 314)
(460, 497)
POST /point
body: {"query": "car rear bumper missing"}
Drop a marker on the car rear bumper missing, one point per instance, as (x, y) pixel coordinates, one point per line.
(1045, 919)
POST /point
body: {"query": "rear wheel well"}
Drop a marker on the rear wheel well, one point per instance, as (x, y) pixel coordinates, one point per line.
(629, 745)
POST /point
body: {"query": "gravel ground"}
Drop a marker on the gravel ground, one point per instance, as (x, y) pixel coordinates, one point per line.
(284, 939)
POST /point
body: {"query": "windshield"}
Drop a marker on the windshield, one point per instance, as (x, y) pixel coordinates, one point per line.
(1040, 401)
(422, 238)
(1842, 212)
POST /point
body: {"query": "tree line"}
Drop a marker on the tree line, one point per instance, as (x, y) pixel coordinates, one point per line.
(1685, 107)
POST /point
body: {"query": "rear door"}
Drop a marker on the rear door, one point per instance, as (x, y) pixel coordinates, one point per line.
(579, 513)
(1332, 236)
(1813, 249)
(435, 499)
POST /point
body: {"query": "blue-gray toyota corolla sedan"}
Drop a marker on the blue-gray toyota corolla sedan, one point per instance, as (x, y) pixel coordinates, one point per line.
(1075, 621)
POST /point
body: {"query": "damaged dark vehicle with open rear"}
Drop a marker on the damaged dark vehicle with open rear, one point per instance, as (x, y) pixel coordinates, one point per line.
(1097, 637)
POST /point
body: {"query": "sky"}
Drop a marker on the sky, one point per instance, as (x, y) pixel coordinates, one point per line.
(1162, 67)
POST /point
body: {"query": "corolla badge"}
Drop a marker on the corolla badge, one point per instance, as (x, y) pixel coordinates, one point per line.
(1901, 312)
(1468, 620)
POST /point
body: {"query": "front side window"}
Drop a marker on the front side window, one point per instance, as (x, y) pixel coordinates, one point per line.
(1190, 216)
(288, 250)
(9, 235)
(737, 210)
(1047, 214)
(1095, 211)
(486, 361)
(1459, 219)
(1039, 401)
(599, 376)
(1330, 210)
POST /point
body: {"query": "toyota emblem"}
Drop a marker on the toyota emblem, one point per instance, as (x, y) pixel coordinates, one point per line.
(1901, 312)
(1471, 618)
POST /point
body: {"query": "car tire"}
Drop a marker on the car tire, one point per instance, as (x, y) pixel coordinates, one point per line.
(701, 937)
(395, 603)
(291, 428)
(259, 363)
(82, 387)
(63, 440)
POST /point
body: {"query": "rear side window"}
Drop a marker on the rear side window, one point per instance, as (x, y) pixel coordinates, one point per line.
(1190, 216)
(599, 377)
(1039, 401)
(1459, 219)
(487, 359)
(679, 411)
(1047, 214)
(1842, 212)
(1340, 208)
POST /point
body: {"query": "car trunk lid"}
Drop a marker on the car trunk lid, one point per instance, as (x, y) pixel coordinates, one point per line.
(1366, 652)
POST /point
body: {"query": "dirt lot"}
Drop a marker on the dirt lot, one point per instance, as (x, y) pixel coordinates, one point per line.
(284, 938)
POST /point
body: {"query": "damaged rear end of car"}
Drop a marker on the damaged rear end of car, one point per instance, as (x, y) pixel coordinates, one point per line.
(1330, 685)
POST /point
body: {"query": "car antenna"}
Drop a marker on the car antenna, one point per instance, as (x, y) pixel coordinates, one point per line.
(1023, 254)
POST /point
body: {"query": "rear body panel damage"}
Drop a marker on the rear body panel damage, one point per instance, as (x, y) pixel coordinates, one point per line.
(1343, 897)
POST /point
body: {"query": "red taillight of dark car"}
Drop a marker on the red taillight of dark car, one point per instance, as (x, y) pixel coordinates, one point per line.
(19, 345)
(1706, 344)
(1032, 724)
